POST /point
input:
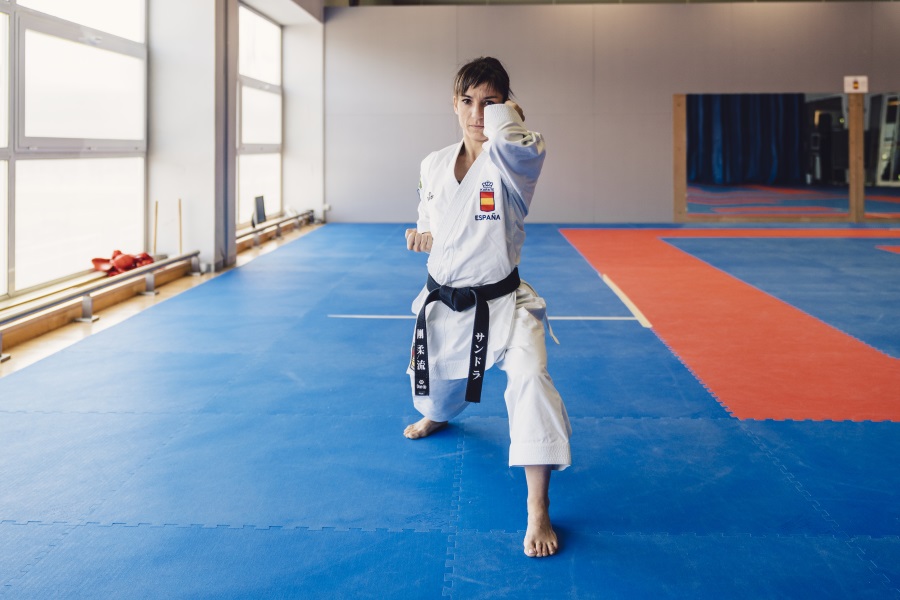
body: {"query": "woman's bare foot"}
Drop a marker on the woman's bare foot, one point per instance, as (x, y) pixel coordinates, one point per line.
(540, 539)
(423, 428)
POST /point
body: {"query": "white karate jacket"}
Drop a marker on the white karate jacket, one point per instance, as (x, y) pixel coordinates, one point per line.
(478, 230)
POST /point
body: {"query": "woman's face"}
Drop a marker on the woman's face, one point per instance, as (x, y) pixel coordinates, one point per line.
(469, 107)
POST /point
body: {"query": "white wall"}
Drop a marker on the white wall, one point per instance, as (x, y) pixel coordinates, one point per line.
(387, 103)
(303, 148)
(304, 120)
(597, 80)
(285, 12)
(183, 161)
(192, 102)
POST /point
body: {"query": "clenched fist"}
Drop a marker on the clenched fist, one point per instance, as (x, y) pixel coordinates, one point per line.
(517, 108)
(418, 242)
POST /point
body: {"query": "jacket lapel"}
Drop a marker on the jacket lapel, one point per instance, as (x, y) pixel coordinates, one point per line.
(462, 198)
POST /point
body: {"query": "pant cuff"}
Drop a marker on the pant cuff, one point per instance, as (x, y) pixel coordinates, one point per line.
(558, 456)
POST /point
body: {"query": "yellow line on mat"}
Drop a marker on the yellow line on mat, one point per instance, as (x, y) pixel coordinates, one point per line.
(627, 301)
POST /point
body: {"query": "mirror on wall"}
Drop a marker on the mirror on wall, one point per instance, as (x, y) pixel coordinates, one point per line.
(883, 146)
(784, 157)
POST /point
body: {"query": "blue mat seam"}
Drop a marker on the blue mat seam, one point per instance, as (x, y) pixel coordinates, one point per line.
(876, 571)
(694, 375)
(450, 559)
(10, 583)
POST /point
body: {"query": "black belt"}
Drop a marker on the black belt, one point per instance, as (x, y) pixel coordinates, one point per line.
(460, 299)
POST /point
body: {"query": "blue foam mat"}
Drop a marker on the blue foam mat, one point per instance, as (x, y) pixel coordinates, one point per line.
(124, 381)
(633, 374)
(241, 403)
(569, 284)
(884, 555)
(199, 333)
(22, 545)
(640, 476)
(850, 469)
(292, 471)
(61, 467)
(194, 562)
(663, 566)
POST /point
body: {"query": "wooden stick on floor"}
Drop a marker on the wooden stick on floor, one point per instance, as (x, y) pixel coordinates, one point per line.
(155, 225)
(180, 251)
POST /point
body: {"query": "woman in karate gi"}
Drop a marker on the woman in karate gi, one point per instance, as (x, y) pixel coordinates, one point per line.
(473, 199)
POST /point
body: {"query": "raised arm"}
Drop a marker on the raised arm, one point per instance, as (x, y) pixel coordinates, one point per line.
(517, 151)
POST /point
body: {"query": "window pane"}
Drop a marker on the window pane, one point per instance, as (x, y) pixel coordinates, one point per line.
(259, 47)
(260, 117)
(258, 175)
(124, 18)
(4, 80)
(78, 91)
(72, 210)
(4, 229)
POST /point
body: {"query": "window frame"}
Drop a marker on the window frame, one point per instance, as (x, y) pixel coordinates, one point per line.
(23, 8)
(20, 148)
(7, 262)
(240, 147)
(5, 259)
(6, 151)
(255, 148)
(47, 25)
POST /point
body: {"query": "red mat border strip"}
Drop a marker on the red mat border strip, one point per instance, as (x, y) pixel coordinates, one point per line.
(759, 356)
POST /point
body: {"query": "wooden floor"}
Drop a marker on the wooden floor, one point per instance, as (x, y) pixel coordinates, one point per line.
(28, 353)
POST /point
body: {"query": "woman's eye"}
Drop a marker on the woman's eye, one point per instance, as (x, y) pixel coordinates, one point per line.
(488, 102)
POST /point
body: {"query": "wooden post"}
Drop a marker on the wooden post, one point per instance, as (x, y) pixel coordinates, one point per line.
(180, 251)
(3, 357)
(155, 225)
(857, 176)
(679, 156)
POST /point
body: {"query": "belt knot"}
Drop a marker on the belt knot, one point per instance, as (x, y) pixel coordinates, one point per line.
(459, 299)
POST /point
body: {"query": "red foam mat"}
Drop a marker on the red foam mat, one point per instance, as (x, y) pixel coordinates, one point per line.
(761, 357)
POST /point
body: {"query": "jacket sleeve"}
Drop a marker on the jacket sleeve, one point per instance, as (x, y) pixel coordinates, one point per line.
(518, 152)
(423, 223)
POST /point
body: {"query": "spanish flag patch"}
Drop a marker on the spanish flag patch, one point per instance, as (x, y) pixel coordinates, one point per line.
(487, 201)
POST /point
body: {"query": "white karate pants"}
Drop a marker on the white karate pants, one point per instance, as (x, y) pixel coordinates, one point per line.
(539, 426)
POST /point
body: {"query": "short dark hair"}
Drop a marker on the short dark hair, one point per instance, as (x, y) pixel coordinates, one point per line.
(483, 70)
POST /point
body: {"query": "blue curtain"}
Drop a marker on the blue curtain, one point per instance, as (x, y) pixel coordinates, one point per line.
(736, 139)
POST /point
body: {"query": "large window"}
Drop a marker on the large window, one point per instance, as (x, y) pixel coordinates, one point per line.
(122, 18)
(4, 84)
(4, 227)
(75, 145)
(4, 153)
(73, 90)
(259, 117)
(66, 204)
